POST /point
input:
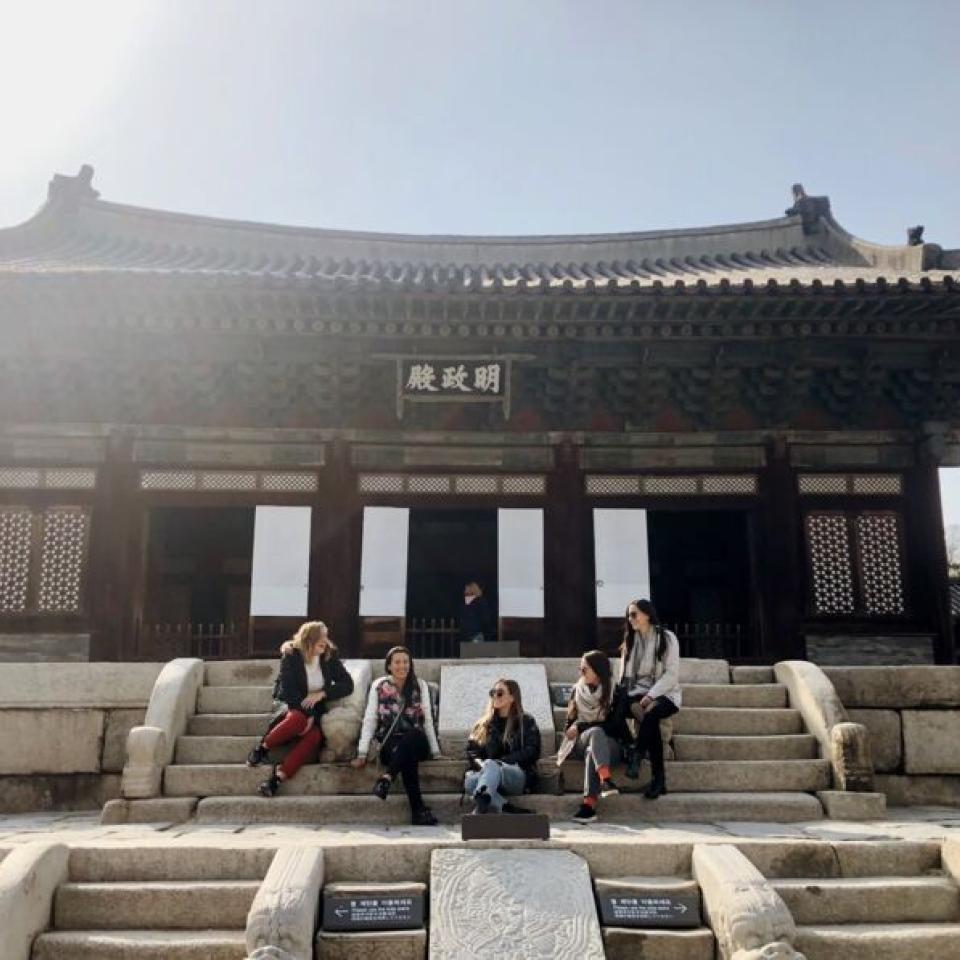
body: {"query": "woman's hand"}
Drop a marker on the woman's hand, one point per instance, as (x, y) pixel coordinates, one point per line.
(571, 732)
(358, 763)
(645, 704)
(312, 699)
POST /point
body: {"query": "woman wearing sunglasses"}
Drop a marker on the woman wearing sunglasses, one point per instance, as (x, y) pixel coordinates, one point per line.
(650, 672)
(399, 718)
(594, 730)
(503, 751)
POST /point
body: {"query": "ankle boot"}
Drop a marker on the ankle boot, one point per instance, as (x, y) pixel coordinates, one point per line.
(632, 760)
(656, 788)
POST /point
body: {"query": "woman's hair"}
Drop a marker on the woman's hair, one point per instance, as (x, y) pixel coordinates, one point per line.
(472, 589)
(599, 663)
(411, 688)
(644, 606)
(308, 634)
(481, 729)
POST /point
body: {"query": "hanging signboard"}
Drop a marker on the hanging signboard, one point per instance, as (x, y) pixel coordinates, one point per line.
(453, 379)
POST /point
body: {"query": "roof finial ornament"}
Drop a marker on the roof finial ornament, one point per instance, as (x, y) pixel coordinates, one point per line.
(915, 235)
(809, 209)
(72, 190)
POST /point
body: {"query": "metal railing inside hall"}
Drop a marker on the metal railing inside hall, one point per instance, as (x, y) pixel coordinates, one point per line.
(209, 641)
(724, 641)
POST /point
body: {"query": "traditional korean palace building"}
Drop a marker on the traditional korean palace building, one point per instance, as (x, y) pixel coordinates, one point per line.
(212, 428)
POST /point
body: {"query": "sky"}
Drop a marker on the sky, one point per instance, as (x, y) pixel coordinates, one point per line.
(528, 116)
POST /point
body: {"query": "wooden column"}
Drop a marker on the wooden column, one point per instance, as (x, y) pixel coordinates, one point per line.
(336, 542)
(116, 560)
(780, 545)
(566, 573)
(926, 555)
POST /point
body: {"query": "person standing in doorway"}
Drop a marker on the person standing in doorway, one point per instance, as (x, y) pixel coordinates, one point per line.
(650, 673)
(476, 623)
(399, 717)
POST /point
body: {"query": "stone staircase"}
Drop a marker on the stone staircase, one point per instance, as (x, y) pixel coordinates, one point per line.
(154, 904)
(740, 754)
(874, 901)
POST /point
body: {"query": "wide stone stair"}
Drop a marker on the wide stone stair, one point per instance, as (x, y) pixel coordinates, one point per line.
(154, 904)
(741, 753)
(873, 901)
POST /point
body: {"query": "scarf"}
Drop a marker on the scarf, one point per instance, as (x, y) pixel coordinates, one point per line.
(588, 702)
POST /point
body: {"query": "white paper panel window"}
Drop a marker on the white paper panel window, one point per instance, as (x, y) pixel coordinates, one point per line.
(520, 562)
(383, 566)
(621, 559)
(281, 562)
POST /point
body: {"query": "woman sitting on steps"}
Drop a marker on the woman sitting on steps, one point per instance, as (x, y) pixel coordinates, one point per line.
(399, 716)
(311, 677)
(503, 751)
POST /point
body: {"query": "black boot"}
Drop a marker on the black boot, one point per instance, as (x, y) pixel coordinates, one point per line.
(657, 787)
(271, 785)
(423, 816)
(381, 788)
(259, 754)
(481, 801)
(632, 762)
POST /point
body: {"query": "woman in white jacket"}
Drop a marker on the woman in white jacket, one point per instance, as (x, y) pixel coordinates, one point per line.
(650, 672)
(399, 717)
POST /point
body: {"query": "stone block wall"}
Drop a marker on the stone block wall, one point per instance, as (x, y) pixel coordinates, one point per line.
(913, 715)
(65, 728)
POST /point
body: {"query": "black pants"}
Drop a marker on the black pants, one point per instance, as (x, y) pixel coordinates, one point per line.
(402, 754)
(649, 741)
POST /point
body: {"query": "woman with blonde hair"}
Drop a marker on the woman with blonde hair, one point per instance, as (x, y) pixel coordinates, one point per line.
(503, 751)
(311, 677)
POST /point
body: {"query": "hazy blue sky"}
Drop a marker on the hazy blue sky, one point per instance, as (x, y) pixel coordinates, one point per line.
(493, 117)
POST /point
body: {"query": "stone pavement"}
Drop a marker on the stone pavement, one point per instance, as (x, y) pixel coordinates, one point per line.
(902, 823)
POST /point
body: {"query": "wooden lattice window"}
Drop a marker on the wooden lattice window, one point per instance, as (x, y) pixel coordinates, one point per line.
(855, 563)
(43, 558)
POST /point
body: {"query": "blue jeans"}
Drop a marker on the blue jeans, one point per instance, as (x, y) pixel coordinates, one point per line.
(499, 779)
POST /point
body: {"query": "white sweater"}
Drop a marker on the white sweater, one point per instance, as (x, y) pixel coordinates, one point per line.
(369, 727)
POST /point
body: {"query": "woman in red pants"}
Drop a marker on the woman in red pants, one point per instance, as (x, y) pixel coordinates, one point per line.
(311, 677)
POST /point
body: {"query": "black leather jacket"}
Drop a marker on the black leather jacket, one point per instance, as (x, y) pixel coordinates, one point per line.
(291, 685)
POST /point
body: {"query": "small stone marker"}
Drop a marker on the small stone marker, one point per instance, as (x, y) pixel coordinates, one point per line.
(373, 906)
(651, 902)
(505, 826)
(494, 904)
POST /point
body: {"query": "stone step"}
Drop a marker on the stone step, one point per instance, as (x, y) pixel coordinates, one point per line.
(154, 905)
(674, 807)
(860, 899)
(228, 724)
(241, 673)
(213, 749)
(737, 721)
(796, 746)
(141, 944)
(330, 779)
(851, 858)
(879, 941)
(235, 700)
(735, 695)
(722, 776)
(752, 675)
(446, 776)
(626, 943)
(372, 944)
(135, 861)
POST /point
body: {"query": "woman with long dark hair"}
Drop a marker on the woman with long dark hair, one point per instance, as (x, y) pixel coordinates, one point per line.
(503, 751)
(399, 717)
(590, 724)
(311, 677)
(650, 672)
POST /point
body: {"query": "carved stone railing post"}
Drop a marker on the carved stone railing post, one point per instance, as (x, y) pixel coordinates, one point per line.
(283, 918)
(846, 745)
(748, 917)
(150, 747)
(29, 877)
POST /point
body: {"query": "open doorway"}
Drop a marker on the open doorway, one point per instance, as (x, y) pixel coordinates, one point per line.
(700, 577)
(197, 598)
(447, 550)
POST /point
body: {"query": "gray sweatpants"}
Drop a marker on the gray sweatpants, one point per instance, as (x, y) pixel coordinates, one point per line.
(597, 750)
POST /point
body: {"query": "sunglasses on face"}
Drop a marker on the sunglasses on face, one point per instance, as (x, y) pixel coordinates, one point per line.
(497, 692)
(633, 614)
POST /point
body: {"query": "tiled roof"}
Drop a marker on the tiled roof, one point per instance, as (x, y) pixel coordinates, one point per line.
(79, 235)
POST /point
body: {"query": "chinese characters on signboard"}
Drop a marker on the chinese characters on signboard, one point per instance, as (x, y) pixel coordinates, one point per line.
(462, 379)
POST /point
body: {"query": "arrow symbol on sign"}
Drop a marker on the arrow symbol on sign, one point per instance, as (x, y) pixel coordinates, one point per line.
(682, 907)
